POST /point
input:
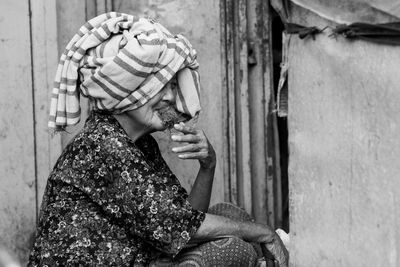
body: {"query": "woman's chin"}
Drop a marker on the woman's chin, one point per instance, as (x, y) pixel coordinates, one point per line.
(170, 116)
(158, 124)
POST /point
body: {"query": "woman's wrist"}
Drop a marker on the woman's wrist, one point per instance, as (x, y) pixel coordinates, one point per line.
(267, 234)
(208, 165)
(255, 232)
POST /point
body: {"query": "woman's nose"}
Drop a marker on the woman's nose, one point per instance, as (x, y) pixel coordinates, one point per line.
(169, 95)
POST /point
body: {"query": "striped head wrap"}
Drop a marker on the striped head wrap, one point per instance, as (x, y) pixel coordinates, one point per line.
(120, 62)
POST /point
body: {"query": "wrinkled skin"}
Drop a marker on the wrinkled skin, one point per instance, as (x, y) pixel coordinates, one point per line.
(169, 116)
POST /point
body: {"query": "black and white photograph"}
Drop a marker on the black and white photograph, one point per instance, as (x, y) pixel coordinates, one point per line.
(200, 133)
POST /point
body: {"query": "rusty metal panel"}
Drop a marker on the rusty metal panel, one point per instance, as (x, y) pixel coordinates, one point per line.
(344, 151)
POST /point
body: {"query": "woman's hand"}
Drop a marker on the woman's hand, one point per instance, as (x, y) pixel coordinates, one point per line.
(278, 251)
(215, 226)
(198, 146)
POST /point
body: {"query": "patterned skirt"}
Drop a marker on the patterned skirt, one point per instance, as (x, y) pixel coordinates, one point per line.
(225, 251)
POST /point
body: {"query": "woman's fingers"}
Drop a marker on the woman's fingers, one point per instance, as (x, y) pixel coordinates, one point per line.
(194, 155)
(188, 138)
(279, 251)
(198, 148)
(185, 129)
(269, 257)
(188, 148)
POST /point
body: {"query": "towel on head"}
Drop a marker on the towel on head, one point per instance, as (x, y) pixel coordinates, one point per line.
(120, 62)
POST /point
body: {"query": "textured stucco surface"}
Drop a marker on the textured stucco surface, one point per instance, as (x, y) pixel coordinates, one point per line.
(17, 167)
(344, 127)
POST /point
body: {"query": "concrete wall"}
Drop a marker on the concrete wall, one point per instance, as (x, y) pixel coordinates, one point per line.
(344, 127)
(28, 56)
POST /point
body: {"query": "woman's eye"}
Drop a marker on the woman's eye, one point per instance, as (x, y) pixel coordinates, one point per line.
(174, 85)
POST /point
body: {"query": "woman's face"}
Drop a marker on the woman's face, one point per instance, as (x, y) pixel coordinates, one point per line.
(148, 115)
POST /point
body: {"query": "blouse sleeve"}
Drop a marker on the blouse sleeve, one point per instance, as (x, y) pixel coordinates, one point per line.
(151, 204)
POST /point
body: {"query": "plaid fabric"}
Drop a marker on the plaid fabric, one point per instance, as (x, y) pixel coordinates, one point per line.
(120, 62)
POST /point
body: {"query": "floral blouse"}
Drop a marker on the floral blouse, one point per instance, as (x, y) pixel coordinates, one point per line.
(111, 201)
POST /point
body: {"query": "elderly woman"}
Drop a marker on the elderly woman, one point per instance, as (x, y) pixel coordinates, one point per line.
(111, 199)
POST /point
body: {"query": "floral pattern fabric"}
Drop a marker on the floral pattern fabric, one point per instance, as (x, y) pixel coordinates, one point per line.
(111, 201)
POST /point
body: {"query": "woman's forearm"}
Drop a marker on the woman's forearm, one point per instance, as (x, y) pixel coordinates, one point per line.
(197, 147)
(200, 195)
(215, 226)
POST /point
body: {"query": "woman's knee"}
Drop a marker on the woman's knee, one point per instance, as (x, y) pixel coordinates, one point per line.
(230, 251)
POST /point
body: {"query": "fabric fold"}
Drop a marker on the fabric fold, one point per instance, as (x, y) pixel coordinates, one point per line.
(120, 62)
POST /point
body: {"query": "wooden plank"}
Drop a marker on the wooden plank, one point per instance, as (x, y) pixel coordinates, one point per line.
(237, 98)
(230, 96)
(109, 5)
(17, 164)
(103, 6)
(100, 6)
(259, 77)
(226, 45)
(242, 106)
(45, 59)
(238, 119)
(91, 9)
(71, 15)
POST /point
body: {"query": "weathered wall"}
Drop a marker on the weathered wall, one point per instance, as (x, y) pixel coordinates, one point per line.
(16, 139)
(344, 129)
(27, 152)
(217, 29)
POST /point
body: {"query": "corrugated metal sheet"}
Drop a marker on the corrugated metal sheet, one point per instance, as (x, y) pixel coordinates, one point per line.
(343, 119)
